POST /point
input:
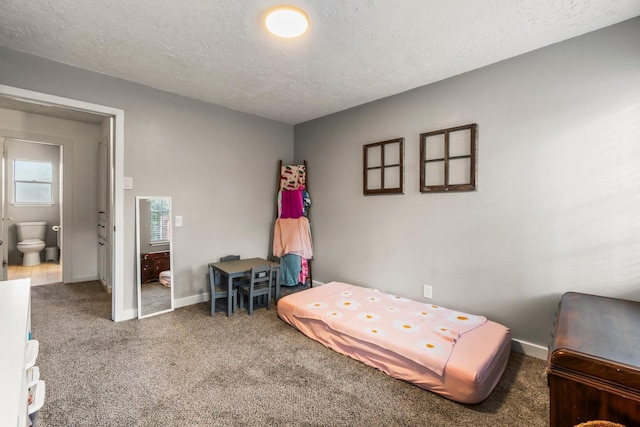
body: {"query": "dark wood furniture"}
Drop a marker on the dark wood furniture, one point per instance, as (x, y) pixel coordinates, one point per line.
(448, 159)
(593, 367)
(383, 167)
(152, 264)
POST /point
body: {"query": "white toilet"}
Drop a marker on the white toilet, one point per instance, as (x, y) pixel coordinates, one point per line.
(31, 241)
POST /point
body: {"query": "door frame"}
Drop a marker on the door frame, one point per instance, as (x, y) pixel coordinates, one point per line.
(7, 179)
(116, 187)
(3, 246)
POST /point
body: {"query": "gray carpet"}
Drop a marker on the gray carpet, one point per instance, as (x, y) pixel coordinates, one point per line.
(155, 297)
(185, 368)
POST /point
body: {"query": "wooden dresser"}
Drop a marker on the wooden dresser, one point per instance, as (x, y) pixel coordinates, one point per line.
(593, 367)
(152, 264)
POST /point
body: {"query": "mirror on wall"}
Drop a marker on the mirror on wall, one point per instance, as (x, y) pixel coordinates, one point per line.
(154, 255)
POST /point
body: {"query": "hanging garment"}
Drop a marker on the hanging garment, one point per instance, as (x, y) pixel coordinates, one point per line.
(279, 203)
(304, 271)
(291, 204)
(292, 236)
(306, 202)
(292, 177)
(290, 269)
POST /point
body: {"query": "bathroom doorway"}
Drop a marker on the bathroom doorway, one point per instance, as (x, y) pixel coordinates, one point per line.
(22, 100)
(32, 194)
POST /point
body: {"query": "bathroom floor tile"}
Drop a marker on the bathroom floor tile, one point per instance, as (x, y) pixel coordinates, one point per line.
(43, 274)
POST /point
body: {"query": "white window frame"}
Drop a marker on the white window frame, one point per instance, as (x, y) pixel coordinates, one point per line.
(164, 240)
(19, 181)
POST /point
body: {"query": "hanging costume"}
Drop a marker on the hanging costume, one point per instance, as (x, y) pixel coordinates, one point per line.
(292, 232)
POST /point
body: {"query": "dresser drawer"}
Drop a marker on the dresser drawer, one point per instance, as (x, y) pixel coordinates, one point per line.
(593, 366)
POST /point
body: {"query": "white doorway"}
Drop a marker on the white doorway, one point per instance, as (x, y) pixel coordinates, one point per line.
(115, 119)
(32, 179)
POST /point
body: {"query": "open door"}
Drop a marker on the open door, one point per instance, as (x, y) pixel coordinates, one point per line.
(3, 247)
(104, 179)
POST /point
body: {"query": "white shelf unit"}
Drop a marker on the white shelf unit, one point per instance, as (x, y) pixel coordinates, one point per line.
(16, 353)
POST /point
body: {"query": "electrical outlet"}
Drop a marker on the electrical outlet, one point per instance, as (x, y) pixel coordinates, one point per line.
(427, 292)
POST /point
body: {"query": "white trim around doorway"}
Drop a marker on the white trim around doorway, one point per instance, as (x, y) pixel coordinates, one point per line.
(118, 311)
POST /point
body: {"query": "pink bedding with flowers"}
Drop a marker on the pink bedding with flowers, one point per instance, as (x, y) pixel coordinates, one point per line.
(393, 335)
(424, 333)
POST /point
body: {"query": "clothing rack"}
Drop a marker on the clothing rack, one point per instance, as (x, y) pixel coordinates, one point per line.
(305, 212)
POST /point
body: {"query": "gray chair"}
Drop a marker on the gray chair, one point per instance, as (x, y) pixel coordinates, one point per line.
(220, 292)
(259, 287)
(274, 277)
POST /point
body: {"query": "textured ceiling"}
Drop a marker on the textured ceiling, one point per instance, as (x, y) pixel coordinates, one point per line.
(356, 51)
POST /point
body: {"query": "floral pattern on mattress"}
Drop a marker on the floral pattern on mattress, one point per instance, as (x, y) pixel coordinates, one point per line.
(424, 333)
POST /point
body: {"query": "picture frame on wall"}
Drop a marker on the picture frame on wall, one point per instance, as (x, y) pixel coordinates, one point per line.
(383, 167)
(448, 159)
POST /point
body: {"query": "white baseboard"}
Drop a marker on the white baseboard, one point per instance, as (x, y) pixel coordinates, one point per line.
(177, 303)
(83, 279)
(195, 299)
(533, 350)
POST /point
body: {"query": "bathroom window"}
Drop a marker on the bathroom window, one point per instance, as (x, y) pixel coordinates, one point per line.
(33, 182)
(160, 221)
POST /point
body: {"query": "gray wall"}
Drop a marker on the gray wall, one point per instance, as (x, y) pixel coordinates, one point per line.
(557, 207)
(219, 165)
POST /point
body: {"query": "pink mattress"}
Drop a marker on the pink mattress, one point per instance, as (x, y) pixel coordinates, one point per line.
(472, 371)
(165, 278)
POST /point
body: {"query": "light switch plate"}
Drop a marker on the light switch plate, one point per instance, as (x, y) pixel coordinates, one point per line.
(178, 222)
(128, 183)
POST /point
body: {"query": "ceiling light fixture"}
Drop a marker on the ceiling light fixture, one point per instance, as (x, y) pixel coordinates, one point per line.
(286, 21)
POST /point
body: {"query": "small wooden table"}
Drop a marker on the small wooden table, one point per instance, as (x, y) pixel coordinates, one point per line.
(593, 367)
(239, 268)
